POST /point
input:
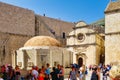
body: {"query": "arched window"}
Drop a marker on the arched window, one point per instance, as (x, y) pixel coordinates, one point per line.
(64, 35)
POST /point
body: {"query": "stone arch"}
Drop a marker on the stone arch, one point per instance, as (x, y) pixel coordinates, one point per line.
(81, 59)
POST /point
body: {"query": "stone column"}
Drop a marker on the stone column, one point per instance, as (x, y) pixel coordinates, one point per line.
(14, 59)
(51, 63)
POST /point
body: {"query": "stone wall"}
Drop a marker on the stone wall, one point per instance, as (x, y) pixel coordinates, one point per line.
(43, 57)
(88, 39)
(60, 56)
(57, 56)
(68, 58)
(112, 22)
(57, 26)
(42, 27)
(53, 27)
(20, 61)
(91, 55)
(3, 42)
(26, 58)
(112, 38)
(100, 49)
(17, 25)
(9, 43)
(16, 20)
(112, 51)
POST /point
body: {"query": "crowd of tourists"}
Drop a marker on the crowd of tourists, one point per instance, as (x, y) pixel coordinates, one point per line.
(55, 73)
(43, 73)
(8, 73)
(108, 71)
(97, 70)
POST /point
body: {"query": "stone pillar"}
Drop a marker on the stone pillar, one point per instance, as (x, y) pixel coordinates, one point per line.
(14, 60)
(74, 58)
(51, 63)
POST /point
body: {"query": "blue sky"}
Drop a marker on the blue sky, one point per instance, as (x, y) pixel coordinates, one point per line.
(67, 10)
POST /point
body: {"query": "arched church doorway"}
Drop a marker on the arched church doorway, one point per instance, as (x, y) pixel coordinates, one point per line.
(80, 61)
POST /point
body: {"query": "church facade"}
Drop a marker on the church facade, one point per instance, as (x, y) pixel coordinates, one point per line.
(87, 44)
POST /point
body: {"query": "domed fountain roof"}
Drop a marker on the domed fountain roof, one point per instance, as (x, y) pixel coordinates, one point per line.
(42, 41)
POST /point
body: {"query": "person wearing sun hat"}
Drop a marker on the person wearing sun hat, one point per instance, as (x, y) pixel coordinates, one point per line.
(114, 73)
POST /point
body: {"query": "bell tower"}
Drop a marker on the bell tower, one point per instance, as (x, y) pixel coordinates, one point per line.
(112, 32)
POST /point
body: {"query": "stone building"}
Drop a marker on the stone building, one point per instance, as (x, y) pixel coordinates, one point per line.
(17, 25)
(112, 33)
(41, 50)
(13, 30)
(87, 44)
(110, 24)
